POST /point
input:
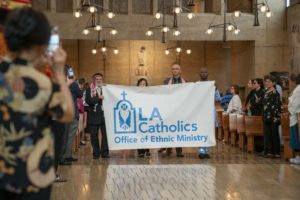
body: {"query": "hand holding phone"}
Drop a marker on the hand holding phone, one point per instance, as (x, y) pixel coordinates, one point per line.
(70, 72)
(53, 42)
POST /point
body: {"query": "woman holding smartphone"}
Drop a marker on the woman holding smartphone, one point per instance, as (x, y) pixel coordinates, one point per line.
(29, 102)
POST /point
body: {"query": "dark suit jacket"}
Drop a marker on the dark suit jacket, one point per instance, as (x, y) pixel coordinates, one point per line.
(174, 81)
(95, 114)
(76, 93)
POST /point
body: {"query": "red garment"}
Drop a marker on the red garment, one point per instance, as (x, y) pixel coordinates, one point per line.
(80, 105)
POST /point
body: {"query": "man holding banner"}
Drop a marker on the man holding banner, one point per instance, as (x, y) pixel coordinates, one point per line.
(175, 79)
(203, 152)
(94, 99)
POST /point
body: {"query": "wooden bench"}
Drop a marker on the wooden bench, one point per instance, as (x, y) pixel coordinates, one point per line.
(225, 126)
(232, 128)
(253, 127)
(285, 125)
(241, 130)
(220, 130)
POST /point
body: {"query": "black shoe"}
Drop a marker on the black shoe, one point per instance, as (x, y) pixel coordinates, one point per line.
(276, 156)
(269, 155)
(262, 154)
(161, 150)
(207, 156)
(65, 162)
(96, 157)
(169, 152)
(201, 155)
(180, 155)
(71, 159)
(105, 156)
(141, 155)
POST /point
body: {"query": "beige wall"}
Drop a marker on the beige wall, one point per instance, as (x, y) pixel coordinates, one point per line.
(233, 64)
(294, 38)
(271, 51)
(271, 45)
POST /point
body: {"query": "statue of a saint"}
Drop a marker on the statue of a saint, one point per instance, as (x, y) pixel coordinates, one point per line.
(142, 56)
(141, 69)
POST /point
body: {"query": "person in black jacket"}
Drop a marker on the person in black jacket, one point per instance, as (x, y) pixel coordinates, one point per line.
(72, 127)
(255, 101)
(249, 96)
(95, 121)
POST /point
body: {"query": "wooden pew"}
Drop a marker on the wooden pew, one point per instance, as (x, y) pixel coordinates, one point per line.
(253, 127)
(225, 125)
(233, 128)
(241, 130)
(220, 130)
(285, 125)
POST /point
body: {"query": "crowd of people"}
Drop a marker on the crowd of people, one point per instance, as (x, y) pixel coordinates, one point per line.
(35, 105)
(264, 99)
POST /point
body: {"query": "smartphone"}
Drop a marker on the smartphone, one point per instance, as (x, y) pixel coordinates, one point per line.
(70, 72)
(53, 42)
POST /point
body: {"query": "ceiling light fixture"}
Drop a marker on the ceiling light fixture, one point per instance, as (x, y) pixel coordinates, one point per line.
(178, 49)
(263, 6)
(101, 45)
(176, 10)
(94, 22)
(226, 26)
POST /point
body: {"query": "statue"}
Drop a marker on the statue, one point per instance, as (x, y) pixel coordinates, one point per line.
(142, 56)
(141, 69)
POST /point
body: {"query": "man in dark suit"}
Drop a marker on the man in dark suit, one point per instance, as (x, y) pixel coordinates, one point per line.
(95, 121)
(175, 79)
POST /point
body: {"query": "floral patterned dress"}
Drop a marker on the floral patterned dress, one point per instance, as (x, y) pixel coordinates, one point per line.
(28, 103)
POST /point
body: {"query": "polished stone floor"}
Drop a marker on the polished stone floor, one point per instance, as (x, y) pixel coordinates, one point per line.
(229, 174)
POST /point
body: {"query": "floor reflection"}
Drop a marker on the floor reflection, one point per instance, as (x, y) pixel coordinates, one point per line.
(229, 174)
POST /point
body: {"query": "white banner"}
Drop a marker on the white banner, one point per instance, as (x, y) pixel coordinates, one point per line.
(179, 115)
